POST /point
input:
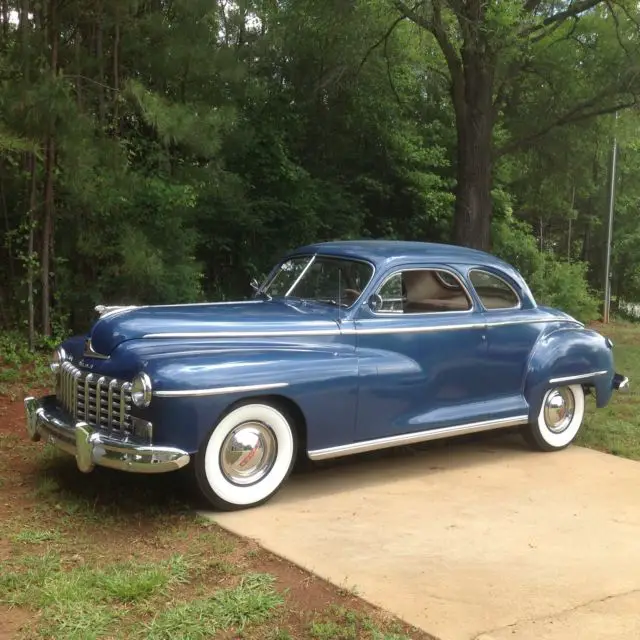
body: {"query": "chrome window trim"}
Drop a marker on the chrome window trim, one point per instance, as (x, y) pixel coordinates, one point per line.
(581, 376)
(219, 390)
(414, 438)
(297, 280)
(269, 279)
(491, 273)
(400, 270)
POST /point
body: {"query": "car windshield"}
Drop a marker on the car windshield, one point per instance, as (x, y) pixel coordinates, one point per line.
(337, 281)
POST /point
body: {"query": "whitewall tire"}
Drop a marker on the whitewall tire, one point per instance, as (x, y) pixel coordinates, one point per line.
(559, 420)
(247, 457)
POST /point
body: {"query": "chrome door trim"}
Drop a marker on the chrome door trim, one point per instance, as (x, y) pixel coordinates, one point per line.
(414, 438)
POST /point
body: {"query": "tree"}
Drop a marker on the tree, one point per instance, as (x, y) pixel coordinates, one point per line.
(490, 47)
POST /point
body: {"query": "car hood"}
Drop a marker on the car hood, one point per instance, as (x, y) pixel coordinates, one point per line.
(213, 320)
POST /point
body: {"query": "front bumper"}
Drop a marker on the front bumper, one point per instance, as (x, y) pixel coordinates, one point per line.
(91, 447)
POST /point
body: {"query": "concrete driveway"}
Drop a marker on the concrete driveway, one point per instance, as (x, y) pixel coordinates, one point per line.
(483, 539)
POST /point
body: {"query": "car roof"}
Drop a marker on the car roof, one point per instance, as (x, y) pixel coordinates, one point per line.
(382, 252)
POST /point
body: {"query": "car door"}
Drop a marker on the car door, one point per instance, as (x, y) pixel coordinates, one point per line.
(513, 327)
(421, 351)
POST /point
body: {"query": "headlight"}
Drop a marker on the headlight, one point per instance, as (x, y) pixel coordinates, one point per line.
(59, 356)
(141, 390)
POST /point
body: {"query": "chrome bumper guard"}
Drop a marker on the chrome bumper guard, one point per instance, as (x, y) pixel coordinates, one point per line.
(91, 447)
(620, 382)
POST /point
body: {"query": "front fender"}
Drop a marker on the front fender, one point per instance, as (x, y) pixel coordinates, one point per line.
(569, 355)
(193, 390)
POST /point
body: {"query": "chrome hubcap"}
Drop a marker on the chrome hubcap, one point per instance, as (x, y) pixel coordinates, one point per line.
(248, 453)
(559, 407)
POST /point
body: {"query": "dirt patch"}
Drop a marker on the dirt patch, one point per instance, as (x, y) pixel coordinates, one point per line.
(11, 621)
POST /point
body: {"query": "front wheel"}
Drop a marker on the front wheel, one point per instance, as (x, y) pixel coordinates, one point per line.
(246, 458)
(559, 420)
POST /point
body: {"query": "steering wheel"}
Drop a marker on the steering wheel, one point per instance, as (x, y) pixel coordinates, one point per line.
(351, 295)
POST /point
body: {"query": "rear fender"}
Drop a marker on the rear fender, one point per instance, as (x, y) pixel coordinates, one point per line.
(572, 355)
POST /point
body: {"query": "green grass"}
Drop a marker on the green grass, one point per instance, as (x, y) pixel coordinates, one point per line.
(253, 601)
(616, 428)
(345, 624)
(36, 536)
(84, 601)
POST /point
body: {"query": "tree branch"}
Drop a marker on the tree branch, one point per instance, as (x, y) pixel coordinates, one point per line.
(435, 27)
(578, 114)
(382, 40)
(573, 11)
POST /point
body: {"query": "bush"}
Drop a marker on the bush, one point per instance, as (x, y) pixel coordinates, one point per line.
(553, 282)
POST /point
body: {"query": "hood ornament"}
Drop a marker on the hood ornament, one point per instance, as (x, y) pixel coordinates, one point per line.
(103, 309)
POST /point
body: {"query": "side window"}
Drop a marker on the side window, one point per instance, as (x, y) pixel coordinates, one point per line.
(494, 292)
(422, 291)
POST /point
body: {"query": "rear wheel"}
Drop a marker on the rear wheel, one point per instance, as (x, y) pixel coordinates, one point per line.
(559, 420)
(246, 458)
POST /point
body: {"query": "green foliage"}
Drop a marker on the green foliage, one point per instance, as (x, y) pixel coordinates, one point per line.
(194, 142)
(553, 282)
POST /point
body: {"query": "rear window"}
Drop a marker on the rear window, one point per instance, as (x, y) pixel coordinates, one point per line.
(493, 291)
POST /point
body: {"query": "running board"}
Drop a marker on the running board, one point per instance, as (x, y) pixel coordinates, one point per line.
(414, 438)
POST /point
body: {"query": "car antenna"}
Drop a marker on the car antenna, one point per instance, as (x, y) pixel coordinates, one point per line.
(339, 296)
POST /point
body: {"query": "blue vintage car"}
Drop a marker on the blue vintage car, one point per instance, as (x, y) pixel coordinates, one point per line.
(346, 347)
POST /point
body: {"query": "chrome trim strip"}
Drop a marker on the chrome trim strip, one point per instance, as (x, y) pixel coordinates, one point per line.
(87, 380)
(428, 329)
(344, 331)
(112, 384)
(219, 390)
(246, 334)
(414, 438)
(302, 273)
(581, 376)
(89, 351)
(123, 403)
(447, 327)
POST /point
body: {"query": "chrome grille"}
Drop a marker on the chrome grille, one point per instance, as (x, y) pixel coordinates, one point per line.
(98, 400)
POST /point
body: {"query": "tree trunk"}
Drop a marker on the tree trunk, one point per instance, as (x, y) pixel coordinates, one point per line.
(4, 17)
(116, 69)
(99, 55)
(473, 105)
(50, 160)
(473, 208)
(30, 251)
(47, 238)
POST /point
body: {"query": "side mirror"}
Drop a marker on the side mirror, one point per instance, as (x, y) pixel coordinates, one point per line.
(375, 302)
